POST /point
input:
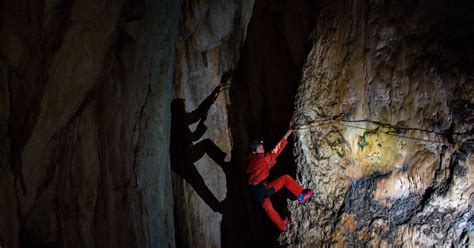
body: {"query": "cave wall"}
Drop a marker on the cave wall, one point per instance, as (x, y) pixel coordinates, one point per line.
(406, 67)
(208, 43)
(86, 92)
(261, 106)
(85, 96)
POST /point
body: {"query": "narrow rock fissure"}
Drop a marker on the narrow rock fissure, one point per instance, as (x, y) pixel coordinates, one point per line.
(262, 95)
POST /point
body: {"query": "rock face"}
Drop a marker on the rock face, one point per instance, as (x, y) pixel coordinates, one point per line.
(86, 92)
(90, 92)
(208, 43)
(383, 109)
(261, 106)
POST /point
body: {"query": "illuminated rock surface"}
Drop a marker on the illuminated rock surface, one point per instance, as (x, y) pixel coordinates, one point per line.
(400, 64)
(86, 89)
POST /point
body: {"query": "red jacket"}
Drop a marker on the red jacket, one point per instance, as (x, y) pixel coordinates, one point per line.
(259, 164)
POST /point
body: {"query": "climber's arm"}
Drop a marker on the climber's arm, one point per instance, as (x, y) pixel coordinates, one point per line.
(271, 156)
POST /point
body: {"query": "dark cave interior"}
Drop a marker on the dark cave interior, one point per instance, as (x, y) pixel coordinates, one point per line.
(86, 89)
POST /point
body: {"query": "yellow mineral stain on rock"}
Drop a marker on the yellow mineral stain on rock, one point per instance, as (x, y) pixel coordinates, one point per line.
(349, 221)
(338, 239)
(362, 235)
(373, 151)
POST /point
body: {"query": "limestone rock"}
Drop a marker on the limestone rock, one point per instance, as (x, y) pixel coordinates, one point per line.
(382, 94)
(387, 63)
(210, 36)
(84, 121)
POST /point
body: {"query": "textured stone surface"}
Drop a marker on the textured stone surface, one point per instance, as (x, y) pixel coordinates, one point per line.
(261, 106)
(84, 121)
(8, 205)
(210, 36)
(85, 97)
(399, 64)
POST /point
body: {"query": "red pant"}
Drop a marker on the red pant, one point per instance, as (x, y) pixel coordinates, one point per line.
(277, 184)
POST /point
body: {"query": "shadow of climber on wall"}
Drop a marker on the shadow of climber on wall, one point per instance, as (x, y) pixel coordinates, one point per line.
(184, 153)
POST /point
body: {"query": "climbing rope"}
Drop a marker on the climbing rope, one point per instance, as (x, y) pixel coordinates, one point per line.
(393, 129)
(398, 135)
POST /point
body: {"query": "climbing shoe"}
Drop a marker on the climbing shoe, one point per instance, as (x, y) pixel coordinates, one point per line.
(305, 195)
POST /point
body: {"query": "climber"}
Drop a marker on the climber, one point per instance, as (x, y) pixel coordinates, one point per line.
(258, 169)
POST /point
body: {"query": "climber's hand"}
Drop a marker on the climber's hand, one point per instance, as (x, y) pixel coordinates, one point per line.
(216, 91)
(292, 123)
(288, 133)
(226, 76)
